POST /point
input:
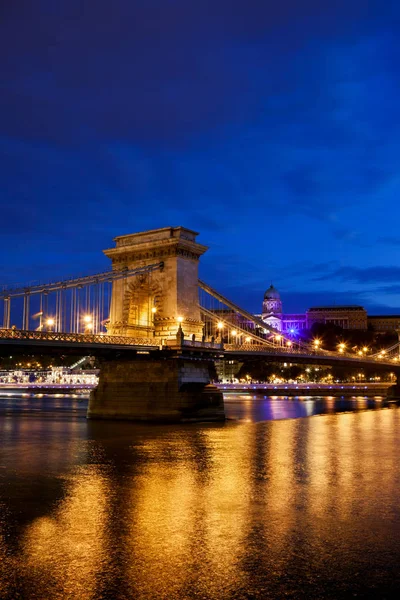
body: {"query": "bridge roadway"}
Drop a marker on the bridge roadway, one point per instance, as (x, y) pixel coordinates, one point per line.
(54, 343)
(76, 344)
(309, 357)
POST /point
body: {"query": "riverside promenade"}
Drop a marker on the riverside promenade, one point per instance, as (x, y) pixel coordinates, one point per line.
(267, 389)
(308, 389)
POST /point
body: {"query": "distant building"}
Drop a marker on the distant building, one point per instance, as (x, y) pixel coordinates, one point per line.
(346, 317)
(384, 324)
(272, 314)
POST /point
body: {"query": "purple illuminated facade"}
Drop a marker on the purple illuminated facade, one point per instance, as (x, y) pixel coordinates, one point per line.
(346, 317)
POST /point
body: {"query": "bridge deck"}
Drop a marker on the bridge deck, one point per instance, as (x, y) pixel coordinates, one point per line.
(85, 342)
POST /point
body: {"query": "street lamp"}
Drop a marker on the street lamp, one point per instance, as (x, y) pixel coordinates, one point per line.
(87, 319)
(50, 323)
(220, 327)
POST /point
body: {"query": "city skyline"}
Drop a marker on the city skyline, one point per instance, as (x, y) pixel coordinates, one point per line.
(271, 130)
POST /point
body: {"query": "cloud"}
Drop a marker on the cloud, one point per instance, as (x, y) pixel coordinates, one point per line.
(376, 274)
(271, 128)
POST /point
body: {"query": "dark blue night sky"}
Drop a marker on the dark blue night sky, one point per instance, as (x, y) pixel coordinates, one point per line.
(272, 128)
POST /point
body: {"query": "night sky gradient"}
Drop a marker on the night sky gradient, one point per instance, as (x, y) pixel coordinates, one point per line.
(272, 128)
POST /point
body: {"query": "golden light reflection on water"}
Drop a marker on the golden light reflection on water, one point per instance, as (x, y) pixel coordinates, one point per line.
(161, 527)
(204, 511)
(66, 548)
(279, 491)
(226, 504)
(185, 515)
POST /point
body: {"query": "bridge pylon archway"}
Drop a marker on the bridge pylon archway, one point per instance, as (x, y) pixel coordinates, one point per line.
(152, 303)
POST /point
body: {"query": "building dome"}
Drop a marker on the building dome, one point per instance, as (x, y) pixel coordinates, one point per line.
(272, 293)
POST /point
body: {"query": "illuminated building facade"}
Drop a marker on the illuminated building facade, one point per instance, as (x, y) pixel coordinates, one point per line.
(346, 317)
(272, 314)
(384, 323)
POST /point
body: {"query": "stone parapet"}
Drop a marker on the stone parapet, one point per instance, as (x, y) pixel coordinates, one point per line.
(156, 244)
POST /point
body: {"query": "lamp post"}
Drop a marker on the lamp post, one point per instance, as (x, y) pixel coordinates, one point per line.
(180, 336)
(87, 319)
(49, 323)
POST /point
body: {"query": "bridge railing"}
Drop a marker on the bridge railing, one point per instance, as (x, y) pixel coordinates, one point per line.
(278, 350)
(301, 352)
(9, 334)
(83, 338)
(101, 338)
(212, 345)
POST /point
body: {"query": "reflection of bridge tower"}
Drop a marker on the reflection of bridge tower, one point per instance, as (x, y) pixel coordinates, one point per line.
(153, 301)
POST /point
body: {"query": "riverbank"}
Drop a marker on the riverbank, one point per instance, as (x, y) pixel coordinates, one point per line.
(46, 388)
(308, 389)
(267, 389)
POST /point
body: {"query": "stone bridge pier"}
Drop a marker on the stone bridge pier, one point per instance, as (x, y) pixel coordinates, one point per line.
(164, 389)
(161, 307)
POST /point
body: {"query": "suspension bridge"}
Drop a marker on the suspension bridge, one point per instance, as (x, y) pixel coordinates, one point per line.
(152, 304)
(74, 314)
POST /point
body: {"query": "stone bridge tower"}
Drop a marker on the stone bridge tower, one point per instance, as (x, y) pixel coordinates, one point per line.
(169, 383)
(149, 305)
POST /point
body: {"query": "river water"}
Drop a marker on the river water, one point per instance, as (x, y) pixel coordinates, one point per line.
(263, 506)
